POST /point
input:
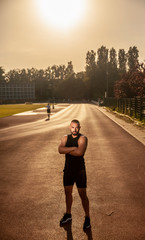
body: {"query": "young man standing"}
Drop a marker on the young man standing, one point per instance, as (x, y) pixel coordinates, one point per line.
(74, 147)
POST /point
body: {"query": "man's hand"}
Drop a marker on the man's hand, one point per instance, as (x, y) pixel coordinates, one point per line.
(64, 150)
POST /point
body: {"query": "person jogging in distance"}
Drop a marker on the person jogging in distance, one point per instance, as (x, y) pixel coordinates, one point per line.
(48, 111)
(74, 146)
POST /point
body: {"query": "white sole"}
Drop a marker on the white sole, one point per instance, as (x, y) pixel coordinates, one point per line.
(69, 219)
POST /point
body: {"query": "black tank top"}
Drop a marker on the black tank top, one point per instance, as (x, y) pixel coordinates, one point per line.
(73, 163)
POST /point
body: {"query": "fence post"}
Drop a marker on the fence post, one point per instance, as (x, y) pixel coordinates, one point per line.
(141, 100)
(135, 108)
(130, 106)
(124, 103)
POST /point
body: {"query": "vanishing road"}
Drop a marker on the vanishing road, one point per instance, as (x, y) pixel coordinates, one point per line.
(31, 192)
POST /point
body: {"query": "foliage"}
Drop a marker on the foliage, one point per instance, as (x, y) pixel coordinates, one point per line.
(103, 71)
(132, 58)
(122, 59)
(2, 72)
(131, 84)
(102, 58)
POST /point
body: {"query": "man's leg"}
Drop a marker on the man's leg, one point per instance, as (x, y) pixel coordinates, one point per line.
(85, 200)
(85, 203)
(68, 198)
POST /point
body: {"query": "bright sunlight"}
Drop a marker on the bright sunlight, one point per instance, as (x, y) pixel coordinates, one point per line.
(62, 14)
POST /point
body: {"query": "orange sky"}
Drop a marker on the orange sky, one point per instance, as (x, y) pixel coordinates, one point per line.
(27, 39)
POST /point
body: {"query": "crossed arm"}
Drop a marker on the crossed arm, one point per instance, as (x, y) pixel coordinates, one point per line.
(75, 151)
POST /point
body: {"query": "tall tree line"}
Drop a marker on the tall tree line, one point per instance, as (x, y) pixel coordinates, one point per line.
(105, 72)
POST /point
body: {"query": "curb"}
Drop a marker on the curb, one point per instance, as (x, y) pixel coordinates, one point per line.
(128, 127)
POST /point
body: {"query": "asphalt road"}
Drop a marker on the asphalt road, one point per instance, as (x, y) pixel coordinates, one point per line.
(31, 192)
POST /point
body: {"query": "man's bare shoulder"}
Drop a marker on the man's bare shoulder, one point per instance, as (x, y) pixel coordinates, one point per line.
(64, 137)
(63, 140)
(83, 137)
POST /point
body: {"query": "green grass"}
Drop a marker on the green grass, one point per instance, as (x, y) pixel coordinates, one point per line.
(8, 110)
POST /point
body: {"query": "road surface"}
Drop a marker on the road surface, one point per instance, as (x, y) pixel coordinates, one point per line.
(31, 192)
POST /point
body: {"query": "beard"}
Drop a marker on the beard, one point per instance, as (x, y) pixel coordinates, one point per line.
(75, 133)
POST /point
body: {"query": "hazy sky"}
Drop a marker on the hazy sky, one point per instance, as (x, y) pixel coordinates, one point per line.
(35, 33)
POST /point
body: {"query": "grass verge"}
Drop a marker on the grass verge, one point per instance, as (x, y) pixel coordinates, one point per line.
(9, 110)
(127, 118)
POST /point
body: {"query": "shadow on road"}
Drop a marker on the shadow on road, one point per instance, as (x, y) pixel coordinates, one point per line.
(89, 233)
(68, 228)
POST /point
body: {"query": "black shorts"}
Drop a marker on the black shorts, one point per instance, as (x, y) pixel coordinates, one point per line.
(79, 177)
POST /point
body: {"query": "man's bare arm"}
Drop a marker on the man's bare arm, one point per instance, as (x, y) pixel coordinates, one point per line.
(82, 146)
(62, 149)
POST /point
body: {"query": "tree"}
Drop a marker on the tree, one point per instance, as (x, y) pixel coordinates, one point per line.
(132, 83)
(90, 78)
(102, 58)
(13, 75)
(90, 61)
(72, 88)
(2, 74)
(113, 58)
(41, 84)
(54, 72)
(112, 72)
(62, 72)
(69, 69)
(102, 71)
(132, 55)
(122, 59)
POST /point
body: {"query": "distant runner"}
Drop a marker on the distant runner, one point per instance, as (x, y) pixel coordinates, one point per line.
(48, 111)
(74, 147)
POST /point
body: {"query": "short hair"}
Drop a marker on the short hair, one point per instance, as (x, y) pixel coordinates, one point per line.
(76, 121)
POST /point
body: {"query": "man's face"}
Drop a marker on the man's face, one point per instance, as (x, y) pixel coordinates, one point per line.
(74, 128)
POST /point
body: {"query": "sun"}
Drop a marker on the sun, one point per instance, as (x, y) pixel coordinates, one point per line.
(61, 13)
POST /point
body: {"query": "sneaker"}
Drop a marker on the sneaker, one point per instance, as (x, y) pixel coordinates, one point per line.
(67, 217)
(86, 223)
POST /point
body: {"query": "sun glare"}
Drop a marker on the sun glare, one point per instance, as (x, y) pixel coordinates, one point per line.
(61, 13)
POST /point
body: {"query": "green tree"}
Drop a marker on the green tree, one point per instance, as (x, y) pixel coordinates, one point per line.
(132, 83)
(62, 72)
(112, 72)
(132, 56)
(102, 71)
(90, 78)
(13, 75)
(41, 84)
(69, 70)
(113, 58)
(70, 89)
(102, 59)
(90, 61)
(2, 74)
(122, 60)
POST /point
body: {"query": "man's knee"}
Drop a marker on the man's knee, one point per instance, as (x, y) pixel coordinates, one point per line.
(82, 193)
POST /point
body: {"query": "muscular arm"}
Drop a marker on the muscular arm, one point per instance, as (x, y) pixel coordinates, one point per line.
(82, 146)
(62, 149)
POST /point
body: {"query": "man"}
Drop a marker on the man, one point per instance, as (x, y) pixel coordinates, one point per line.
(74, 147)
(48, 111)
